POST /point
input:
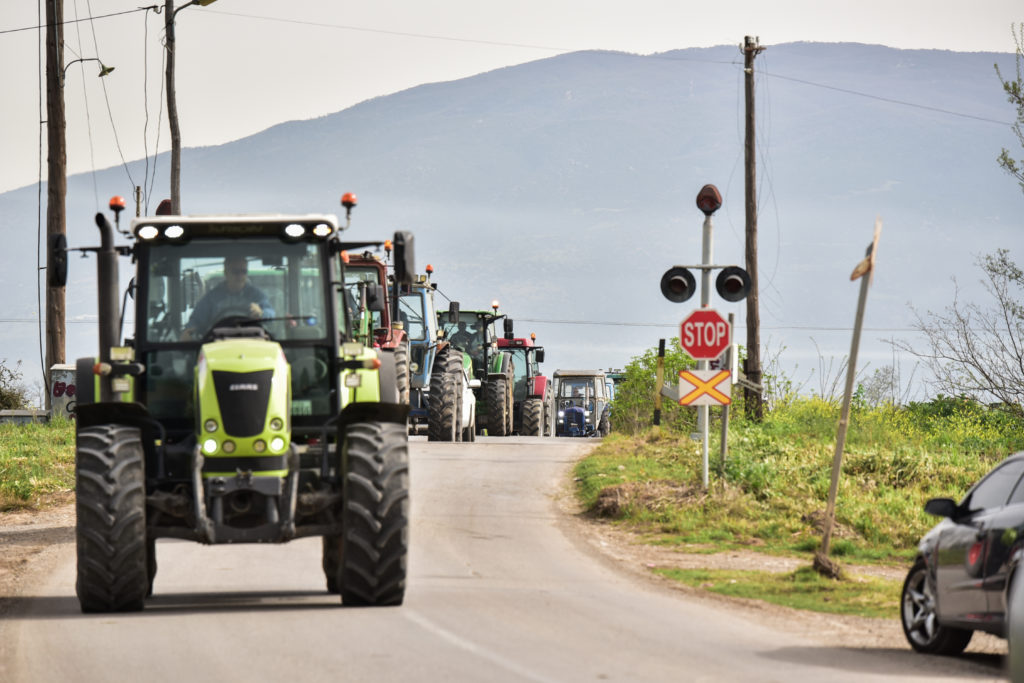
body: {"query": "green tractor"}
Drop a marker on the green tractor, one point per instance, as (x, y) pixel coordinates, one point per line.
(474, 332)
(242, 409)
(441, 397)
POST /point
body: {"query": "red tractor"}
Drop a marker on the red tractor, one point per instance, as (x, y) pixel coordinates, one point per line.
(366, 283)
(532, 394)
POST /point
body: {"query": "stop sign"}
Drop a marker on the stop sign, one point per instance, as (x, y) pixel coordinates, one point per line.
(704, 334)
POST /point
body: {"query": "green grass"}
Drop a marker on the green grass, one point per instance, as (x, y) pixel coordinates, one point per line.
(802, 589)
(772, 494)
(37, 462)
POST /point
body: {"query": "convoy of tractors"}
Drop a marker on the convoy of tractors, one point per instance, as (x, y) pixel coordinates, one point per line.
(268, 391)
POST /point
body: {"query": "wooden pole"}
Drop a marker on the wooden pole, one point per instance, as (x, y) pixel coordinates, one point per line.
(866, 267)
(172, 109)
(56, 183)
(752, 368)
(659, 380)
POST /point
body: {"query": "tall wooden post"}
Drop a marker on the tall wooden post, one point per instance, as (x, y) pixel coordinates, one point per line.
(172, 109)
(752, 398)
(56, 183)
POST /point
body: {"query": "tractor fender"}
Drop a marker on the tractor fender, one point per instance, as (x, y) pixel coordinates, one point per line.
(540, 386)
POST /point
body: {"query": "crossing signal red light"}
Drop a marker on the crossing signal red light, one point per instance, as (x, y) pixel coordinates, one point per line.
(678, 284)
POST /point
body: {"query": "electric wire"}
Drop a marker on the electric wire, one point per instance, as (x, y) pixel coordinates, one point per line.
(41, 25)
(88, 117)
(106, 98)
(40, 49)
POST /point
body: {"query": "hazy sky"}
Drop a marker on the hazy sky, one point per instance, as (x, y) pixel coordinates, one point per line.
(244, 65)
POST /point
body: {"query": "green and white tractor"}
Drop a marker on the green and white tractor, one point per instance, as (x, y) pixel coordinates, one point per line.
(241, 409)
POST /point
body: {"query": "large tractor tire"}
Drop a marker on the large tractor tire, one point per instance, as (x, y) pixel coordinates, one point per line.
(603, 425)
(372, 556)
(110, 530)
(402, 371)
(533, 417)
(496, 396)
(443, 400)
(510, 403)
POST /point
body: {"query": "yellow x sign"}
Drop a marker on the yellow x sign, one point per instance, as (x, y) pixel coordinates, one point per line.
(705, 387)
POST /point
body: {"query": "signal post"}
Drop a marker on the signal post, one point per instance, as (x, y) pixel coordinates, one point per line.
(704, 333)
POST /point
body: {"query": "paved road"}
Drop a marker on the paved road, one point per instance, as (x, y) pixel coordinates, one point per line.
(497, 592)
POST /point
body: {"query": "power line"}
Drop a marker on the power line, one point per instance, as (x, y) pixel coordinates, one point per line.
(75, 21)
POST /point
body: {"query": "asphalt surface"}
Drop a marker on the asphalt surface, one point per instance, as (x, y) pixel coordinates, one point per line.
(498, 590)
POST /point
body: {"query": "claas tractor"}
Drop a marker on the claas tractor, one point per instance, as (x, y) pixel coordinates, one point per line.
(242, 408)
(441, 398)
(532, 394)
(474, 332)
(583, 403)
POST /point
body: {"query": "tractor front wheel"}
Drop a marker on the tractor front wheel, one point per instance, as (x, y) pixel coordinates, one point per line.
(533, 417)
(497, 407)
(442, 402)
(110, 530)
(373, 554)
(402, 371)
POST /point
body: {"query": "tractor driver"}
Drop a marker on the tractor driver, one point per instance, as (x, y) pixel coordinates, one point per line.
(463, 338)
(235, 295)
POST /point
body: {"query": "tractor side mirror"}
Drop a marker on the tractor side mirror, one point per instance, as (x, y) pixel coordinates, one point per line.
(453, 312)
(508, 329)
(405, 262)
(375, 298)
(539, 354)
(58, 260)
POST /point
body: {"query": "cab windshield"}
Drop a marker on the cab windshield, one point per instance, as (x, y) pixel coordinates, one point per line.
(192, 287)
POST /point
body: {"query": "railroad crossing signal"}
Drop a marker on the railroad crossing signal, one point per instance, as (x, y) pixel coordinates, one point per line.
(704, 334)
(705, 387)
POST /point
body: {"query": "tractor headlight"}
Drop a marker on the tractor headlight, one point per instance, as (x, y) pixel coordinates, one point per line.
(210, 425)
(277, 444)
(561, 413)
(210, 446)
(229, 446)
(276, 424)
(259, 445)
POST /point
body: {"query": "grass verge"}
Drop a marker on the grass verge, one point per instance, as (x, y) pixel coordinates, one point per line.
(770, 494)
(37, 461)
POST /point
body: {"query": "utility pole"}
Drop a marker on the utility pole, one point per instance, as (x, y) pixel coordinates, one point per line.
(172, 99)
(56, 184)
(172, 109)
(752, 369)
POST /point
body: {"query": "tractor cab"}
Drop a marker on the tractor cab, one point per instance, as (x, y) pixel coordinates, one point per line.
(582, 400)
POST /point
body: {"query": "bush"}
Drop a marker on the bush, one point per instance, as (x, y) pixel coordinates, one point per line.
(13, 394)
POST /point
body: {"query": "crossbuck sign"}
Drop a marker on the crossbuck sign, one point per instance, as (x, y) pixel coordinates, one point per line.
(705, 387)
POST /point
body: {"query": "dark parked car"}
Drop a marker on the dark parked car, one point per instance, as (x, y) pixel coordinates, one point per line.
(965, 566)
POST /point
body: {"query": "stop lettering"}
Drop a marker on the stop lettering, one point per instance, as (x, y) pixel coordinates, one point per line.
(704, 334)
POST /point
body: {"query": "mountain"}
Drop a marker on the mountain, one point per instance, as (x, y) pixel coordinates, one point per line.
(565, 187)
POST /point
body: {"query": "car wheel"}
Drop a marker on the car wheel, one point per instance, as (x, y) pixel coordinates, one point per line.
(921, 621)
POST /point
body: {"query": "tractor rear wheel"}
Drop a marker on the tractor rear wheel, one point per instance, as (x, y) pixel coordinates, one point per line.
(110, 530)
(373, 554)
(533, 417)
(442, 402)
(496, 396)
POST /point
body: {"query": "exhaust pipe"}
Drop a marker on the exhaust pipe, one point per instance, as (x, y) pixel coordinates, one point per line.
(106, 289)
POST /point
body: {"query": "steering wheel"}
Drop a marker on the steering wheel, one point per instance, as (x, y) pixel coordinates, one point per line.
(235, 321)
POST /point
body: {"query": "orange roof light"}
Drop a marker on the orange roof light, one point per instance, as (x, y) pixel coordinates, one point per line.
(533, 336)
(344, 256)
(494, 305)
(387, 246)
(117, 203)
(430, 269)
(349, 199)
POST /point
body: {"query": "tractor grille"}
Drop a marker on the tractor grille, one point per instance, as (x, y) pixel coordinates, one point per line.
(243, 400)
